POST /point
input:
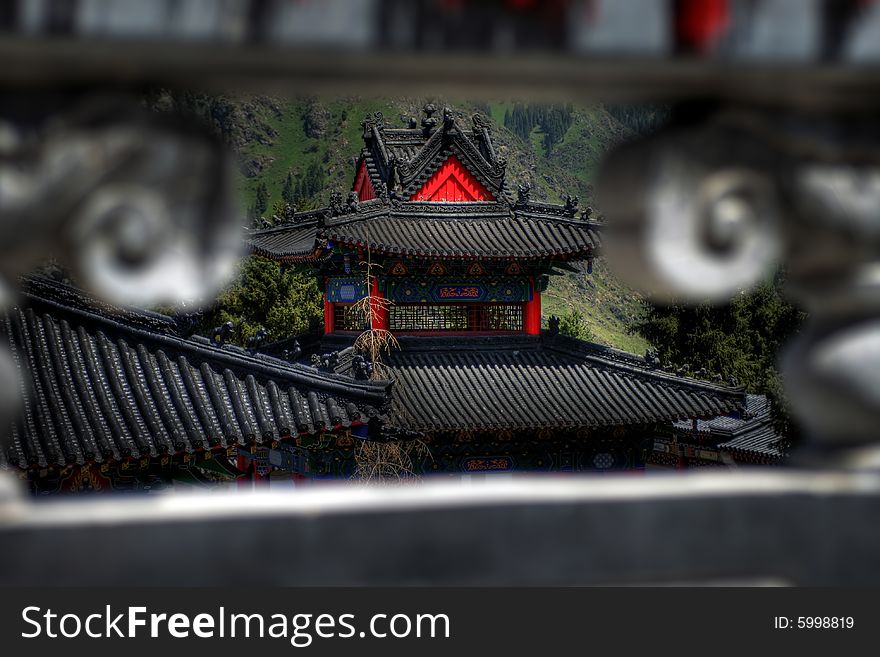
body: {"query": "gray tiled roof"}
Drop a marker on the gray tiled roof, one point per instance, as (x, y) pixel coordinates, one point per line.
(748, 433)
(104, 385)
(400, 160)
(538, 382)
(480, 230)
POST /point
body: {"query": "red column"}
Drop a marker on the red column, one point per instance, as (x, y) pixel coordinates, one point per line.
(328, 312)
(242, 463)
(328, 316)
(378, 311)
(532, 313)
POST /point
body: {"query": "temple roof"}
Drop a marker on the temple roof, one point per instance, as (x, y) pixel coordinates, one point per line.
(537, 382)
(750, 435)
(402, 159)
(478, 230)
(387, 213)
(105, 383)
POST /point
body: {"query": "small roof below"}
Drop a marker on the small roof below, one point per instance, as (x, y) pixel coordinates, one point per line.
(537, 382)
(749, 434)
(104, 383)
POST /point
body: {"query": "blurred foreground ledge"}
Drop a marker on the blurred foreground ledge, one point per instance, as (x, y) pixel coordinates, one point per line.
(76, 65)
(790, 527)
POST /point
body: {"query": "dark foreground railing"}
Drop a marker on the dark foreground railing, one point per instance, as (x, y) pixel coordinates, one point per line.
(749, 527)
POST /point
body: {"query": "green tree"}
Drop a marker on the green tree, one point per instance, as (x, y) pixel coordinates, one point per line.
(284, 301)
(261, 199)
(287, 192)
(740, 339)
(574, 324)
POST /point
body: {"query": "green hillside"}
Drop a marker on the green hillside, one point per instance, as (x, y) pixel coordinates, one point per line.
(555, 148)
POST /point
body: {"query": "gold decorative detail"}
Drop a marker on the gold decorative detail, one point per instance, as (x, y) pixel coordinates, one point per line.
(476, 269)
(436, 269)
(398, 269)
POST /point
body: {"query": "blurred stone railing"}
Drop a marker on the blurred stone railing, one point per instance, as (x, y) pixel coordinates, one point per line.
(771, 526)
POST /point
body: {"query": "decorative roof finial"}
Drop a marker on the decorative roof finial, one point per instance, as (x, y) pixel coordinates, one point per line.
(336, 206)
(293, 353)
(430, 121)
(523, 193)
(571, 203)
(481, 122)
(448, 119)
(222, 333)
(363, 368)
(187, 322)
(381, 191)
(258, 340)
(327, 362)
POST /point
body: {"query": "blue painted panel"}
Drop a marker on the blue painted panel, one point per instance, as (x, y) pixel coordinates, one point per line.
(431, 290)
(346, 290)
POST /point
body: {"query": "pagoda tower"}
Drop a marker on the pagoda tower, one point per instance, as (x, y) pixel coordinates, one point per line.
(452, 262)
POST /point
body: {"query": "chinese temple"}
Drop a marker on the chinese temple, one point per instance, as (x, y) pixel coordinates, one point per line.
(453, 262)
(432, 250)
(123, 400)
(745, 438)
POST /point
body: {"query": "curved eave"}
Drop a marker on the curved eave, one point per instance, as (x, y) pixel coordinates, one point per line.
(539, 383)
(102, 388)
(391, 250)
(420, 233)
(288, 257)
(20, 461)
(286, 243)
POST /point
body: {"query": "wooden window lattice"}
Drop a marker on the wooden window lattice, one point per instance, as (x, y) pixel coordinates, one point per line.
(348, 318)
(456, 317)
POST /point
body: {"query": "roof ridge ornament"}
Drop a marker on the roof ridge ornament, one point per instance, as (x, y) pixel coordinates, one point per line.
(481, 122)
(258, 340)
(381, 190)
(571, 204)
(523, 193)
(187, 322)
(336, 207)
(353, 202)
(483, 130)
(429, 122)
(448, 119)
(222, 333)
(326, 362)
(374, 120)
(288, 214)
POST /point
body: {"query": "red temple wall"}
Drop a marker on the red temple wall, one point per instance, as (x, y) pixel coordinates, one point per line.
(362, 184)
(532, 314)
(378, 311)
(452, 183)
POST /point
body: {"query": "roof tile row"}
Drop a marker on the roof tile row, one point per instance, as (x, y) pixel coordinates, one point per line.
(99, 389)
